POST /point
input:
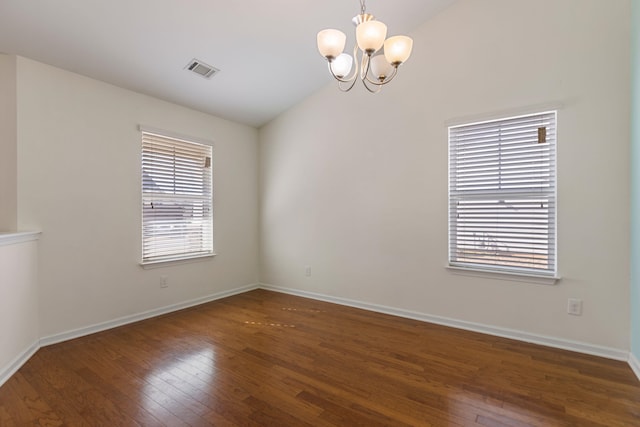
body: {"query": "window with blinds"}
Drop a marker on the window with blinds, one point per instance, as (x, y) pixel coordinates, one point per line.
(176, 199)
(502, 195)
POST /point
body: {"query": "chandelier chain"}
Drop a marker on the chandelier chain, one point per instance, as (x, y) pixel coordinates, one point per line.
(363, 8)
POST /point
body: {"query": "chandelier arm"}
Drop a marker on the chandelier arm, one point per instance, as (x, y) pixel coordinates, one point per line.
(364, 72)
(386, 80)
(355, 59)
(346, 88)
(375, 89)
(352, 80)
(364, 65)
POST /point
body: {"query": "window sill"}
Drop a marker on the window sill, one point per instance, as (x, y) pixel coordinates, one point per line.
(504, 275)
(177, 261)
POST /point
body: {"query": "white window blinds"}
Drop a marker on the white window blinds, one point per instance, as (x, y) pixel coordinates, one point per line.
(502, 195)
(176, 199)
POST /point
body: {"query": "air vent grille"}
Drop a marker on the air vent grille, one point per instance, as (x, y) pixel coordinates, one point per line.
(201, 69)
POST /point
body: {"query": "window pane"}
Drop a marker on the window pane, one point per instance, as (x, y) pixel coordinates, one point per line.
(176, 199)
(502, 194)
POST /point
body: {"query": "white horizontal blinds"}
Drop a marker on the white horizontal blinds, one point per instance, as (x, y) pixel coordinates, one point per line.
(502, 187)
(176, 199)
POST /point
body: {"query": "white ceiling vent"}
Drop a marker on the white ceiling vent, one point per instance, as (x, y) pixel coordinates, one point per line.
(201, 69)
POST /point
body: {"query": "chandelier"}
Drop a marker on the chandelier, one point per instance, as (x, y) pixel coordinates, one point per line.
(372, 67)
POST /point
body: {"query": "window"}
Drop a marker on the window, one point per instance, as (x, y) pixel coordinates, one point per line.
(176, 199)
(502, 195)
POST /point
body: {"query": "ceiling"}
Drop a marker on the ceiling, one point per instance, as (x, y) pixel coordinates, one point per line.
(265, 49)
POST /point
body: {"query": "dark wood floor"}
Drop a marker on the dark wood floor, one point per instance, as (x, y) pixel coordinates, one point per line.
(269, 359)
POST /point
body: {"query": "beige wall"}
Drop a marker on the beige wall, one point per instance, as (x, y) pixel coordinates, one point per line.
(8, 147)
(355, 185)
(79, 183)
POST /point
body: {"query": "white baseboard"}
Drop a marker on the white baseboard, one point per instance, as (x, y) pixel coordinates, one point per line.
(580, 347)
(634, 364)
(13, 366)
(99, 327)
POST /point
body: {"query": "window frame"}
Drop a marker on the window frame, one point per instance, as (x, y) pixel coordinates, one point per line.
(189, 199)
(501, 270)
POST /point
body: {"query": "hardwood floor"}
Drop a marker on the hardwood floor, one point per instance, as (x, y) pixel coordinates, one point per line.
(269, 359)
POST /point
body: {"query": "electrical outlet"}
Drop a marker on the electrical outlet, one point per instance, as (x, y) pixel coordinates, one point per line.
(307, 271)
(574, 306)
(163, 282)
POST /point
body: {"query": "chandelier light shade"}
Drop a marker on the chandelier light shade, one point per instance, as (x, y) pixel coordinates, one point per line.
(331, 43)
(397, 49)
(376, 60)
(370, 36)
(342, 65)
(380, 67)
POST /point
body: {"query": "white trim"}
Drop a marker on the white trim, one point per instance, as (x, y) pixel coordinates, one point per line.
(580, 347)
(503, 275)
(121, 321)
(175, 135)
(175, 261)
(15, 364)
(18, 237)
(511, 112)
(634, 364)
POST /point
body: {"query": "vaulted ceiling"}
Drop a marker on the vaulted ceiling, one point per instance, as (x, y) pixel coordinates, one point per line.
(265, 49)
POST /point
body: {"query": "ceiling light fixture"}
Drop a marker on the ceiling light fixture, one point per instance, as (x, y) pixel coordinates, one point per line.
(375, 69)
